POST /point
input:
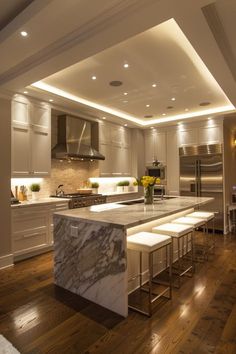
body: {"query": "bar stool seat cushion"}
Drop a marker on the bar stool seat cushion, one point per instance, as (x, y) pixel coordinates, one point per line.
(173, 230)
(202, 215)
(195, 222)
(147, 241)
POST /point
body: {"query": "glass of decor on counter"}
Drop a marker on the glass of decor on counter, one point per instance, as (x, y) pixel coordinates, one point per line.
(148, 183)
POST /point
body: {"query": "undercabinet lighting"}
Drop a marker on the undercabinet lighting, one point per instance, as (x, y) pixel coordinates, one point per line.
(25, 92)
(154, 85)
(126, 66)
(147, 105)
(51, 100)
(24, 33)
(173, 99)
(94, 77)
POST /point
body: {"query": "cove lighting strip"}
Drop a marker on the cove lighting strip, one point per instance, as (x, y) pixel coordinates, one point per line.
(48, 88)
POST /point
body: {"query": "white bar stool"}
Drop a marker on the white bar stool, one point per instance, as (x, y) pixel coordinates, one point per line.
(195, 223)
(207, 216)
(178, 231)
(147, 242)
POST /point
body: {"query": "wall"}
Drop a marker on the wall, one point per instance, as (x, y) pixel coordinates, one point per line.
(229, 159)
(6, 257)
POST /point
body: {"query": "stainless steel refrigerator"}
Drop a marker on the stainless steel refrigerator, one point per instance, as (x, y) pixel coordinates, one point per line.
(201, 174)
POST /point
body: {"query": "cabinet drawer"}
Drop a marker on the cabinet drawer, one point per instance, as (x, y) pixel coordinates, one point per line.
(26, 224)
(29, 240)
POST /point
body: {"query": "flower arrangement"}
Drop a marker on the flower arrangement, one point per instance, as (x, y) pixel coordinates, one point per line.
(148, 183)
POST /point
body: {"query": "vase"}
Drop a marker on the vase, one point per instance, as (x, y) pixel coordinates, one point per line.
(148, 194)
(35, 195)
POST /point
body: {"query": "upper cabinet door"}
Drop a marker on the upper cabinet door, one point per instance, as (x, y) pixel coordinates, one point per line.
(104, 133)
(40, 152)
(31, 138)
(160, 147)
(150, 147)
(40, 117)
(20, 153)
(20, 112)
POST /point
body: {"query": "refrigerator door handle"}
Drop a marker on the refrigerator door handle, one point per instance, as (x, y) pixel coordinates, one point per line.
(196, 178)
(199, 177)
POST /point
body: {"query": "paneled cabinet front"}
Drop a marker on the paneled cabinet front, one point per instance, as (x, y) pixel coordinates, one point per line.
(31, 139)
(115, 145)
(32, 228)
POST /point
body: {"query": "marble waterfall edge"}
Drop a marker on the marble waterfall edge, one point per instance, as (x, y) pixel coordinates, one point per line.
(91, 260)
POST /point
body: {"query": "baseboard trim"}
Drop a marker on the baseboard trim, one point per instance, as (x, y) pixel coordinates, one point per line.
(6, 261)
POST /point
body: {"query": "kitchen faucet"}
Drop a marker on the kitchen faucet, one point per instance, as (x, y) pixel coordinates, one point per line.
(59, 190)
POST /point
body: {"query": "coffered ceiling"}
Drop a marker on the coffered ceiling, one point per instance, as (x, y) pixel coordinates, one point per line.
(180, 58)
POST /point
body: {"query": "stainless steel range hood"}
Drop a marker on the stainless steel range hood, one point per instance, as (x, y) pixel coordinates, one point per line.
(74, 140)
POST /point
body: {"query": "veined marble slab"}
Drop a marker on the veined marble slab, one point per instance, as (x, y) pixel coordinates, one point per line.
(90, 248)
(133, 215)
(90, 260)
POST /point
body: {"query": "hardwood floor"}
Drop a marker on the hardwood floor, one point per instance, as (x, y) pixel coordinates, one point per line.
(38, 317)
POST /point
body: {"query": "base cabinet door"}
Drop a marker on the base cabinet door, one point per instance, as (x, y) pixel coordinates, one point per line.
(29, 230)
(32, 229)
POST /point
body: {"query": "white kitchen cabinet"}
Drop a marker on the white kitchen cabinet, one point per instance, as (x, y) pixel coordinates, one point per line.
(155, 146)
(172, 170)
(29, 230)
(31, 139)
(188, 136)
(150, 143)
(160, 147)
(32, 228)
(115, 145)
(210, 134)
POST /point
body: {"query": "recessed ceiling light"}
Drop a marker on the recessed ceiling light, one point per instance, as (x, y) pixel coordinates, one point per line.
(163, 114)
(147, 105)
(204, 103)
(125, 93)
(154, 85)
(94, 77)
(25, 92)
(51, 100)
(151, 127)
(125, 125)
(126, 65)
(173, 99)
(125, 101)
(103, 117)
(115, 83)
(186, 109)
(24, 33)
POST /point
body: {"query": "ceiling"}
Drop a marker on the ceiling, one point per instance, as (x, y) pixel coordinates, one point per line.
(187, 50)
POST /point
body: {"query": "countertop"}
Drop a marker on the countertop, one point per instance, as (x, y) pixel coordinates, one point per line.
(126, 216)
(41, 201)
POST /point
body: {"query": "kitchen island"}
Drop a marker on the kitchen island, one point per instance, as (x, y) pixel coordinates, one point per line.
(90, 254)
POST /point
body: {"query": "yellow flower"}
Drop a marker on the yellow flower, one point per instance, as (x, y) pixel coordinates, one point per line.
(147, 181)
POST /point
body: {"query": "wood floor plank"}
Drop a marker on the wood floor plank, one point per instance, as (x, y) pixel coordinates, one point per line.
(39, 317)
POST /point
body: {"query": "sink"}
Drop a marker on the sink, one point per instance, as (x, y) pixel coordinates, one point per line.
(132, 202)
(141, 200)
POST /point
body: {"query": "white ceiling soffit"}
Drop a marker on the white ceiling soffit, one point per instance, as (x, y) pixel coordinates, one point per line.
(165, 80)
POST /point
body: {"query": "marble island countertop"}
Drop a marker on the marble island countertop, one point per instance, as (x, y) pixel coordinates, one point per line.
(126, 216)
